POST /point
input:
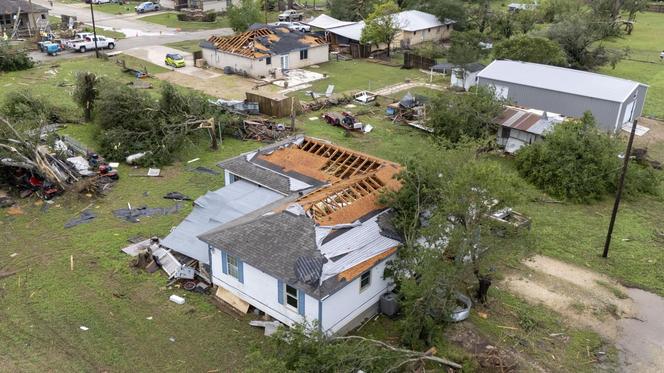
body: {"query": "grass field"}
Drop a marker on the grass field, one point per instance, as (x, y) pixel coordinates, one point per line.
(186, 46)
(44, 305)
(171, 20)
(643, 63)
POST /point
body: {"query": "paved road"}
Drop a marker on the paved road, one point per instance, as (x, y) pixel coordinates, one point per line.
(139, 33)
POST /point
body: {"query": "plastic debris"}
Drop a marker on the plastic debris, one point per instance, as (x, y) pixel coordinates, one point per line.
(176, 299)
(84, 328)
(84, 217)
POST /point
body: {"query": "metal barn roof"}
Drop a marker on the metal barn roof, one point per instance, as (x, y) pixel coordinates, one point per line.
(326, 22)
(560, 79)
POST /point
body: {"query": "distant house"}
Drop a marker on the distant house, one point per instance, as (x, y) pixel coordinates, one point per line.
(29, 16)
(519, 127)
(267, 51)
(465, 76)
(298, 232)
(612, 101)
(517, 7)
(416, 27)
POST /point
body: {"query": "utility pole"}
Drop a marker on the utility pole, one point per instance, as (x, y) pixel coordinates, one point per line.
(94, 30)
(621, 184)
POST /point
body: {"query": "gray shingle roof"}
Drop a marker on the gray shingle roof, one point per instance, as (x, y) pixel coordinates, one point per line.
(11, 7)
(248, 170)
(560, 79)
(276, 244)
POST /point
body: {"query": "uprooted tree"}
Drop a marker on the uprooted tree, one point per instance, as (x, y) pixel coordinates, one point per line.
(579, 162)
(304, 348)
(133, 122)
(443, 210)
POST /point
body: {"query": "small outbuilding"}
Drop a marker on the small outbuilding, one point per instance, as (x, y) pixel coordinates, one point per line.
(612, 101)
(465, 76)
(520, 127)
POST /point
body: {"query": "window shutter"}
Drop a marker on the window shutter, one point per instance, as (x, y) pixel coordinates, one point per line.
(300, 302)
(224, 262)
(240, 271)
(280, 291)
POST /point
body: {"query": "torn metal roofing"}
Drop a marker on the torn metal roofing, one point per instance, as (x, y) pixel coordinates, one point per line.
(214, 209)
(526, 120)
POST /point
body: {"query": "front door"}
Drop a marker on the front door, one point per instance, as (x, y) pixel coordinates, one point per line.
(284, 62)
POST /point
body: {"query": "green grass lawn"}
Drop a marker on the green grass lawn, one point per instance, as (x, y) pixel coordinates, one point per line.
(643, 64)
(110, 8)
(45, 304)
(186, 46)
(355, 75)
(171, 20)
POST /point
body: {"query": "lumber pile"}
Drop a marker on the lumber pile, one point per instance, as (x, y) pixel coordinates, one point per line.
(261, 130)
(325, 103)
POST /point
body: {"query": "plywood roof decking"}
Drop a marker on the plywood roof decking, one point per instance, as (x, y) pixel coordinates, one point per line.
(353, 272)
(264, 42)
(294, 159)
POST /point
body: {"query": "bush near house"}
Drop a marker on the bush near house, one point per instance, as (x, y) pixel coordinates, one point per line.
(13, 59)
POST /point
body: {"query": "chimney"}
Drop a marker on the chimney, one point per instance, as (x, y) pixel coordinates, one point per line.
(545, 116)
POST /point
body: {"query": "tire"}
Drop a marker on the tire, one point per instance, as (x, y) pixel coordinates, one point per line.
(111, 45)
(82, 49)
(156, 9)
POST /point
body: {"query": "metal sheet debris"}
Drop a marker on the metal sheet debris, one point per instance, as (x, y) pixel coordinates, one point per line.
(135, 248)
(270, 326)
(84, 217)
(154, 172)
(205, 170)
(177, 196)
(134, 215)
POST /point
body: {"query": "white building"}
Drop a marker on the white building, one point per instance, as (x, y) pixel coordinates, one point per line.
(297, 233)
(268, 51)
(466, 76)
(520, 127)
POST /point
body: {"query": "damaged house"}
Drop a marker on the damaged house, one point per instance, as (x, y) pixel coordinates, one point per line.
(267, 51)
(23, 16)
(519, 127)
(298, 232)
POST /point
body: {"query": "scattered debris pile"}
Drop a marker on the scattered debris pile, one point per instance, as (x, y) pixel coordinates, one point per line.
(325, 103)
(35, 162)
(134, 215)
(261, 130)
(346, 120)
(410, 110)
(237, 106)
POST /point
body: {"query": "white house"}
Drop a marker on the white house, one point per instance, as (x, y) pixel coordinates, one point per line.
(267, 51)
(297, 232)
(464, 77)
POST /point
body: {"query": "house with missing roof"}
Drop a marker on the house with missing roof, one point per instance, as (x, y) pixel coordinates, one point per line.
(519, 127)
(297, 232)
(416, 27)
(614, 102)
(26, 16)
(266, 51)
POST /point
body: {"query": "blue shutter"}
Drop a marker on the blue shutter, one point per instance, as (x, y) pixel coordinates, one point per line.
(300, 302)
(224, 262)
(240, 271)
(280, 291)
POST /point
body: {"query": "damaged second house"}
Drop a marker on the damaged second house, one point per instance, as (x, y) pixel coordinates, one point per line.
(297, 232)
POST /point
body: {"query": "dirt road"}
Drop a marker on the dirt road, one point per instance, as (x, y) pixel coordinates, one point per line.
(632, 318)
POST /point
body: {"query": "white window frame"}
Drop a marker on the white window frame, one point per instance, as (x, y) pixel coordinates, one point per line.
(232, 266)
(366, 275)
(295, 297)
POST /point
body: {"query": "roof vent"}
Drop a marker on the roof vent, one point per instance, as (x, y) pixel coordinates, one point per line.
(545, 116)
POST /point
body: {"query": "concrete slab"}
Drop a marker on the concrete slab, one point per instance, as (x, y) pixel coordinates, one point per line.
(157, 53)
(298, 77)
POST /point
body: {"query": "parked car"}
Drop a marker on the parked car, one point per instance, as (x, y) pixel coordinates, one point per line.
(296, 26)
(89, 44)
(174, 59)
(147, 6)
(97, 1)
(290, 15)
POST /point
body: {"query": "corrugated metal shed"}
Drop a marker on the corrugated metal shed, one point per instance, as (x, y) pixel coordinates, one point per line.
(527, 121)
(560, 79)
(214, 209)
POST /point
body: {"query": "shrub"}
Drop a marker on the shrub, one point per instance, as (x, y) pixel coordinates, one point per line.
(13, 59)
(25, 107)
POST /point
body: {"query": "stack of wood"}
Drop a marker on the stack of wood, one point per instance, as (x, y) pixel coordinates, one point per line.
(261, 130)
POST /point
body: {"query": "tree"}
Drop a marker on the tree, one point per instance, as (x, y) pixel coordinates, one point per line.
(525, 20)
(465, 48)
(443, 9)
(351, 10)
(381, 26)
(443, 210)
(456, 116)
(530, 49)
(578, 35)
(85, 92)
(557, 10)
(503, 25)
(579, 162)
(243, 16)
(304, 348)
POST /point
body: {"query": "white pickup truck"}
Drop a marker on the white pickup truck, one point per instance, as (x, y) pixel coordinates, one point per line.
(88, 43)
(290, 15)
